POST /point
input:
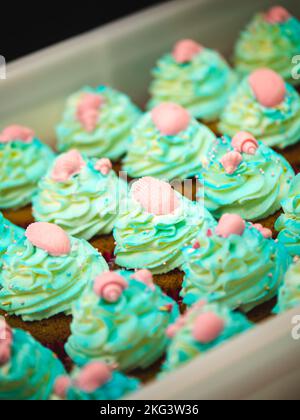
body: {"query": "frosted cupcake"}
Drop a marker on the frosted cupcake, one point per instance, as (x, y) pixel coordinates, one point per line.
(195, 77)
(97, 122)
(95, 382)
(236, 264)
(168, 144)
(27, 369)
(202, 328)
(271, 39)
(156, 225)
(265, 106)
(82, 196)
(246, 177)
(9, 234)
(289, 293)
(121, 319)
(288, 223)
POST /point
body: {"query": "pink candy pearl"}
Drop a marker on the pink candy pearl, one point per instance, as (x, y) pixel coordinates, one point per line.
(170, 119)
(185, 50)
(230, 224)
(208, 327)
(268, 87)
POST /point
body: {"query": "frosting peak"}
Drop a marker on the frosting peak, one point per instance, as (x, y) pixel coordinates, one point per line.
(268, 87)
(49, 237)
(185, 50)
(67, 165)
(17, 132)
(170, 118)
(277, 14)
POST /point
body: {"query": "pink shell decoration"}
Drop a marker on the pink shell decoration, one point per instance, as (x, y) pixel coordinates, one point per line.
(104, 166)
(170, 119)
(49, 237)
(93, 376)
(267, 233)
(185, 50)
(155, 196)
(88, 111)
(67, 165)
(277, 14)
(230, 224)
(6, 338)
(144, 276)
(208, 327)
(61, 386)
(244, 142)
(268, 87)
(231, 161)
(110, 286)
(17, 132)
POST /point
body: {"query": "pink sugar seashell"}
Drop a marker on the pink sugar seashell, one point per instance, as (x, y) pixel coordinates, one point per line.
(93, 376)
(104, 166)
(155, 196)
(185, 50)
(172, 330)
(170, 119)
(6, 338)
(88, 110)
(110, 286)
(230, 224)
(49, 237)
(17, 132)
(67, 165)
(61, 386)
(244, 142)
(267, 233)
(208, 327)
(231, 162)
(277, 14)
(144, 276)
(268, 87)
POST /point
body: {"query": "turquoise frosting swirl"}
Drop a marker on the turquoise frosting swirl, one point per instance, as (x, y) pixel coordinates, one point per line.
(31, 371)
(202, 86)
(288, 224)
(167, 157)
(36, 285)
(22, 166)
(110, 138)
(144, 240)
(184, 348)
(289, 293)
(279, 126)
(263, 44)
(9, 234)
(85, 205)
(254, 191)
(130, 332)
(239, 271)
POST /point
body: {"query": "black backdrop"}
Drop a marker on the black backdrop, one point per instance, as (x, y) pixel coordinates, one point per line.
(26, 27)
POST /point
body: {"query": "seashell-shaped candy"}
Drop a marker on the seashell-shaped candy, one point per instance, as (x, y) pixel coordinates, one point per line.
(268, 87)
(277, 14)
(230, 224)
(144, 276)
(104, 166)
(49, 237)
(93, 376)
(267, 233)
(17, 132)
(67, 165)
(231, 162)
(185, 50)
(208, 327)
(244, 142)
(110, 286)
(61, 386)
(6, 338)
(170, 119)
(88, 110)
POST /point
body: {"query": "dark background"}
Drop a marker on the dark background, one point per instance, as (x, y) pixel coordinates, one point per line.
(26, 27)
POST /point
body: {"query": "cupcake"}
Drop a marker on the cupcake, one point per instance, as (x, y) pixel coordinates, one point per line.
(28, 370)
(195, 77)
(80, 195)
(236, 264)
(288, 223)
(97, 122)
(167, 144)
(289, 293)
(270, 40)
(9, 234)
(95, 382)
(121, 319)
(202, 328)
(267, 107)
(246, 177)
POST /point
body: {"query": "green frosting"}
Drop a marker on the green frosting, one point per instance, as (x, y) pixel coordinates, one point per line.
(9, 234)
(111, 136)
(184, 347)
(167, 157)
(240, 271)
(289, 293)
(85, 205)
(202, 86)
(130, 332)
(268, 45)
(22, 166)
(254, 191)
(279, 126)
(288, 223)
(37, 286)
(31, 371)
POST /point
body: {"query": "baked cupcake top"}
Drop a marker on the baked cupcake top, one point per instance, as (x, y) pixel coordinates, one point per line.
(195, 77)
(24, 160)
(156, 225)
(27, 369)
(246, 177)
(267, 107)
(80, 195)
(121, 319)
(289, 293)
(203, 327)
(95, 382)
(44, 273)
(97, 122)
(236, 264)
(167, 144)
(9, 234)
(271, 40)
(288, 224)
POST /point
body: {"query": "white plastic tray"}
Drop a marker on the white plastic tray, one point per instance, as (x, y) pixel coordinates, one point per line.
(264, 363)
